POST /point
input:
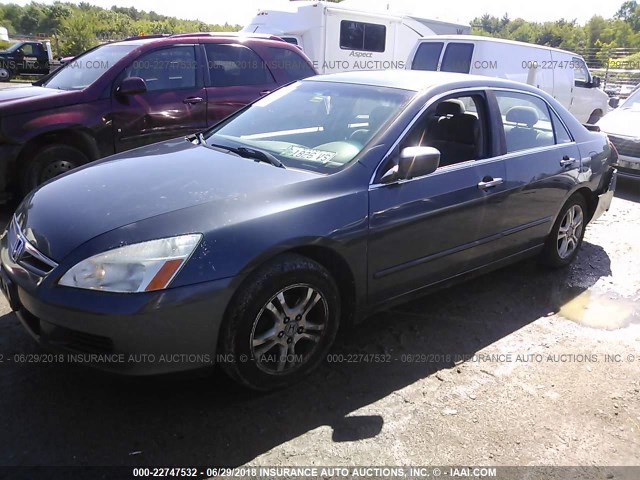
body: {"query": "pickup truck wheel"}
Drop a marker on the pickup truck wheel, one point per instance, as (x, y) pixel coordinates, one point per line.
(49, 162)
(5, 74)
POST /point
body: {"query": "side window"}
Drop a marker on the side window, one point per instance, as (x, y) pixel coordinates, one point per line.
(290, 63)
(27, 50)
(580, 72)
(562, 135)
(369, 37)
(38, 50)
(457, 58)
(526, 121)
(235, 65)
(166, 69)
(455, 126)
(427, 56)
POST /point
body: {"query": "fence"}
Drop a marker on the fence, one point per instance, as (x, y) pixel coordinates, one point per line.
(619, 74)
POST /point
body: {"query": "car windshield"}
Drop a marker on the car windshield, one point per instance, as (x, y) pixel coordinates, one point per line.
(86, 69)
(14, 47)
(633, 102)
(319, 126)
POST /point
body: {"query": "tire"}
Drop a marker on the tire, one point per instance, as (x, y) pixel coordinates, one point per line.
(595, 116)
(5, 74)
(49, 162)
(565, 239)
(270, 347)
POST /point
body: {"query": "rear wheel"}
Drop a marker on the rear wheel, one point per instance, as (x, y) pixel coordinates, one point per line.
(281, 324)
(49, 162)
(567, 233)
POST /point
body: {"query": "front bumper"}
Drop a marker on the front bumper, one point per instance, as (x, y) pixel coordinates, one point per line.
(628, 166)
(606, 196)
(134, 334)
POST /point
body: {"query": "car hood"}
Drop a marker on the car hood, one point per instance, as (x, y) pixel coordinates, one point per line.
(624, 122)
(22, 99)
(141, 184)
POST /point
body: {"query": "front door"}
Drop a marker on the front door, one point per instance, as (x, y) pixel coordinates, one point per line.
(582, 104)
(174, 105)
(432, 228)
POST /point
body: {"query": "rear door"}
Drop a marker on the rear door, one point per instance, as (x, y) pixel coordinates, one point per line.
(173, 105)
(236, 75)
(434, 227)
(542, 166)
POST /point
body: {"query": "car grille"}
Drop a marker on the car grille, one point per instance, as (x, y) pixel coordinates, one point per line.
(25, 254)
(66, 338)
(626, 146)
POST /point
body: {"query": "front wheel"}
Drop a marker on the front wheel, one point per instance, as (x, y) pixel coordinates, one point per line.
(566, 236)
(5, 74)
(49, 162)
(281, 324)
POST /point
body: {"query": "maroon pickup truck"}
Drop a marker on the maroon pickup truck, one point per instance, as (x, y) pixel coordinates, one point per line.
(131, 93)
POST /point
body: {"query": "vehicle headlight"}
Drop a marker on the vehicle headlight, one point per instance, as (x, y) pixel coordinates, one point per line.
(141, 267)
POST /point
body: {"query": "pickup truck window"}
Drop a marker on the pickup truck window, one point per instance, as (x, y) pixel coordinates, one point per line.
(86, 69)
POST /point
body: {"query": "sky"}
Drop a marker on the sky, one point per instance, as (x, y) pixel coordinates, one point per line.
(463, 11)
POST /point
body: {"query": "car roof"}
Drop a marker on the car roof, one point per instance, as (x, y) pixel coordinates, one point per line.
(479, 38)
(418, 80)
(209, 36)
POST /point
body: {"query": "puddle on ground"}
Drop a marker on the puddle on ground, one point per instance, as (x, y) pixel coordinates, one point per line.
(601, 311)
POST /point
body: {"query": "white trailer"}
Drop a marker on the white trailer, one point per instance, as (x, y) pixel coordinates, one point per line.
(338, 38)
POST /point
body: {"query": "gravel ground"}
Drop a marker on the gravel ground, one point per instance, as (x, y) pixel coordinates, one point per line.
(520, 367)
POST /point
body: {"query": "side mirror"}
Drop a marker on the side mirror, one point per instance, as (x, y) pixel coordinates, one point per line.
(132, 86)
(418, 162)
(414, 162)
(595, 82)
(614, 102)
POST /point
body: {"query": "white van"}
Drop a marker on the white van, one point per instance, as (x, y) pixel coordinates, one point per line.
(563, 74)
(338, 38)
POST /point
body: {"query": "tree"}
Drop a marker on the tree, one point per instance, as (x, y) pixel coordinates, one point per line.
(79, 33)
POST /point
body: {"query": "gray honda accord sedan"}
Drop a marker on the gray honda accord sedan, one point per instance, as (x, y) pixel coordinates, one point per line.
(252, 242)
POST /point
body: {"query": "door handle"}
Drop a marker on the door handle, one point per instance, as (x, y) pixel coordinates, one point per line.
(192, 100)
(265, 92)
(566, 161)
(488, 182)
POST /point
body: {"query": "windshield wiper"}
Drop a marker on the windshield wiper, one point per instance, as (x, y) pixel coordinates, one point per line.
(252, 153)
(244, 152)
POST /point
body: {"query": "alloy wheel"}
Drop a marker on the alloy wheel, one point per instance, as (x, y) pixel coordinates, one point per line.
(570, 231)
(288, 329)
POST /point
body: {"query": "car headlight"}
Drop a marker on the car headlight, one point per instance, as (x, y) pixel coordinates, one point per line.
(141, 267)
